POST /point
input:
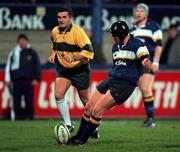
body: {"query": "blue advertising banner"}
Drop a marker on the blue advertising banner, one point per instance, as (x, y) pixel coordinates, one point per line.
(36, 17)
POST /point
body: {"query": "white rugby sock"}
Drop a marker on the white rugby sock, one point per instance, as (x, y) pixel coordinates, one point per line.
(64, 110)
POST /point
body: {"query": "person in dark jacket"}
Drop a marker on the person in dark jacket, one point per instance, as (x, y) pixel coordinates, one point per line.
(171, 49)
(23, 72)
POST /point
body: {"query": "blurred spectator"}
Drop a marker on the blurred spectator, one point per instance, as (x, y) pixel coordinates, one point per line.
(171, 51)
(22, 73)
(157, 2)
(120, 1)
(33, 1)
(70, 1)
(24, 1)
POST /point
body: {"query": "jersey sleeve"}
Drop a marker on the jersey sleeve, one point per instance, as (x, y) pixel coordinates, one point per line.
(85, 44)
(142, 53)
(157, 35)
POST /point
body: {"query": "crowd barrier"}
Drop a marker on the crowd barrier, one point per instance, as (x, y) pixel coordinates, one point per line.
(166, 91)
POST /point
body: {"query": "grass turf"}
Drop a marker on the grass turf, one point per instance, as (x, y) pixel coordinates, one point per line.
(116, 135)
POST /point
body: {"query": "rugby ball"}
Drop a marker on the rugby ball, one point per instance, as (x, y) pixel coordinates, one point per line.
(62, 133)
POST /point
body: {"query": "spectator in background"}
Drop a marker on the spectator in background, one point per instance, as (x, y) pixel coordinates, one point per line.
(22, 73)
(173, 34)
(149, 32)
(119, 1)
(171, 51)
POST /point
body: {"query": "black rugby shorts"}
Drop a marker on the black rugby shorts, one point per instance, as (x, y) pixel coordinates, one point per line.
(120, 89)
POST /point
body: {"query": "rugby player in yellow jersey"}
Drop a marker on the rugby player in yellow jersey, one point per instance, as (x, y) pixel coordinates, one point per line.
(71, 53)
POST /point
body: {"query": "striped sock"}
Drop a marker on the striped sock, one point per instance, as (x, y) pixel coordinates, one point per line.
(149, 106)
(90, 128)
(84, 121)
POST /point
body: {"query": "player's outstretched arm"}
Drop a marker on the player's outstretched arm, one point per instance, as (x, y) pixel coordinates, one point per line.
(52, 56)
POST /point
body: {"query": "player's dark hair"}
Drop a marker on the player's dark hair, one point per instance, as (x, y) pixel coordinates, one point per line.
(66, 9)
(22, 36)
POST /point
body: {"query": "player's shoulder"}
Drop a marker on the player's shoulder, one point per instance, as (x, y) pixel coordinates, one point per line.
(153, 24)
(77, 28)
(114, 46)
(55, 29)
(136, 41)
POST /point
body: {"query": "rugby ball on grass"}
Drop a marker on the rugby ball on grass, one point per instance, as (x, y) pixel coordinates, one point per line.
(62, 133)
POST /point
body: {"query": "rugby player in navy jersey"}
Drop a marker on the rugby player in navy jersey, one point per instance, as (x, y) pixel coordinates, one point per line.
(148, 31)
(129, 54)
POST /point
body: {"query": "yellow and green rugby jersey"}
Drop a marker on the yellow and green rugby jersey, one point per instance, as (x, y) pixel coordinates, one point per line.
(73, 41)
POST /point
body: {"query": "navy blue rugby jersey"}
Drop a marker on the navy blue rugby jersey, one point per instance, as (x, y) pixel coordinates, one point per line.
(150, 34)
(127, 60)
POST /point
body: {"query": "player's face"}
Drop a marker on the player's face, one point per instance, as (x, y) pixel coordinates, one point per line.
(139, 14)
(23, 43)
(64, 19)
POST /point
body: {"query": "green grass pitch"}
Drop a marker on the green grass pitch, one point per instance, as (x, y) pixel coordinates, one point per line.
(116, 135)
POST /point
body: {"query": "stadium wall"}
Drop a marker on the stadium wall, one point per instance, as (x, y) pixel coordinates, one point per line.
(38, 20)
(166, 90)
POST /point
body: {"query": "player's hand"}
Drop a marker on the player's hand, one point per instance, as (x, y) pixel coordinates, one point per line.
(81, 58)
(68, 58)
(147, 63)
(155, 68)
(51, 59)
